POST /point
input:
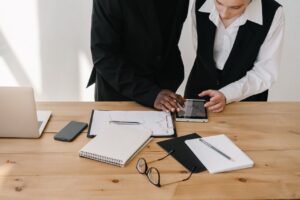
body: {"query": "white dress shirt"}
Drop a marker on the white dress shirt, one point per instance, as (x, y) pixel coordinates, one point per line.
(265, 70)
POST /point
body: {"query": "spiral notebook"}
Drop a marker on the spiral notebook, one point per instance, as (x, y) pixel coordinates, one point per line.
(116, 145)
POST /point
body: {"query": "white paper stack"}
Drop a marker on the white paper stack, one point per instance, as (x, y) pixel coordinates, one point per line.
(216, 162)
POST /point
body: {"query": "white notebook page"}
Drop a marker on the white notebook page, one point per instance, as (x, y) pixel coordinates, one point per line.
(156, 122)
(215, 162)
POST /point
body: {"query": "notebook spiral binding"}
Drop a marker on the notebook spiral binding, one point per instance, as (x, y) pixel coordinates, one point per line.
(100, 158)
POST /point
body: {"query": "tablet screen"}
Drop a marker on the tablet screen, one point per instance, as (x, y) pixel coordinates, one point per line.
(193, 109)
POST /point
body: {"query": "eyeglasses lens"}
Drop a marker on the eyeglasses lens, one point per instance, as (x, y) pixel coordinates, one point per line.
(153, 176)
(141, 166)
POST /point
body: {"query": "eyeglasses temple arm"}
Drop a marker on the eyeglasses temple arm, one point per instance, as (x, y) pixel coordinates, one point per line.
(193, 170)
(169, 153)
(190, 175)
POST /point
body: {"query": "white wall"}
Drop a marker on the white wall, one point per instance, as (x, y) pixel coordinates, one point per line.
(288, 85)
(45, 44)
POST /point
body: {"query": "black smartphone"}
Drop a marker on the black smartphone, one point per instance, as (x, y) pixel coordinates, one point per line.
(70, 131)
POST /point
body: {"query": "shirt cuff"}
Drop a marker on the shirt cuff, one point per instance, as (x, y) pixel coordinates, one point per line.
(230, 93)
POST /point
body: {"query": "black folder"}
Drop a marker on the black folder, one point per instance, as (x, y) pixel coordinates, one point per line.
(182, 153)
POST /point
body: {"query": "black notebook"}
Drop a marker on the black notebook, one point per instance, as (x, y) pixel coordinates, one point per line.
(182, 152)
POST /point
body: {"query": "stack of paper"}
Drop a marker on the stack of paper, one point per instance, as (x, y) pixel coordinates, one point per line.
(214, 161)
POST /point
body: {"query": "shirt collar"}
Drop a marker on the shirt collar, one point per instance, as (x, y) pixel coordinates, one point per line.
(253, 12)
(209, 7)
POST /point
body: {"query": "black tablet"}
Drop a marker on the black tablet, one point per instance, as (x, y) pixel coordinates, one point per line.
(193, 111)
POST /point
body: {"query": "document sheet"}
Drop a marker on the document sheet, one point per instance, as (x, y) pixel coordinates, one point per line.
(156, 122)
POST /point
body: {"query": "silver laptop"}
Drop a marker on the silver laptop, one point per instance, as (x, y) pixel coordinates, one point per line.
(18, 115)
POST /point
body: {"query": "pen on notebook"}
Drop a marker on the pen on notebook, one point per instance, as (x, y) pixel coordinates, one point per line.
(125, 122)
(215, 149)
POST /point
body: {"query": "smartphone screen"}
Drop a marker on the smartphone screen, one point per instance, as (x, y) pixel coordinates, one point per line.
(70, 131)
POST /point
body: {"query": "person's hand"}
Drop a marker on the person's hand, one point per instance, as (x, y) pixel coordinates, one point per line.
(167, 100)
(217, 100)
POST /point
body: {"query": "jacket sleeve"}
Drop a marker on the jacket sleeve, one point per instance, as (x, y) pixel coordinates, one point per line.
(108, 54)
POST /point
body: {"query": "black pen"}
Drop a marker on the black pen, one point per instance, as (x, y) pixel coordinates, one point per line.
(215, 149)
(125, 122)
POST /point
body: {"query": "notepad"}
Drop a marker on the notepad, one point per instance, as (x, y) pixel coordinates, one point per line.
(157, 122)
(116, 145)
(214, 161)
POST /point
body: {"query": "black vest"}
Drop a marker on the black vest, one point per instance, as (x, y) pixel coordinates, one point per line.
(250, 37)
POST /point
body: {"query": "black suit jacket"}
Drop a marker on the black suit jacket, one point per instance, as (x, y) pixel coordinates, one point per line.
(126, 44)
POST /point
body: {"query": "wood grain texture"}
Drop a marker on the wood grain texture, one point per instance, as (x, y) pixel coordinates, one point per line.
(47, 169)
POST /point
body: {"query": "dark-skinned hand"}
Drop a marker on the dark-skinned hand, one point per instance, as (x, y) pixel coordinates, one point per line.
(169, 101)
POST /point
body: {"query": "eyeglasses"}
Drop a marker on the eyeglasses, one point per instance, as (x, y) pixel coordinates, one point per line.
(153, 174)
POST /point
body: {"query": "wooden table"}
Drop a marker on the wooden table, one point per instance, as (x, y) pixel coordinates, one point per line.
(47, 169)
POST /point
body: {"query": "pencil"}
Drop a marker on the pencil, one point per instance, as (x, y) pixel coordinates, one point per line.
(215, 149)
